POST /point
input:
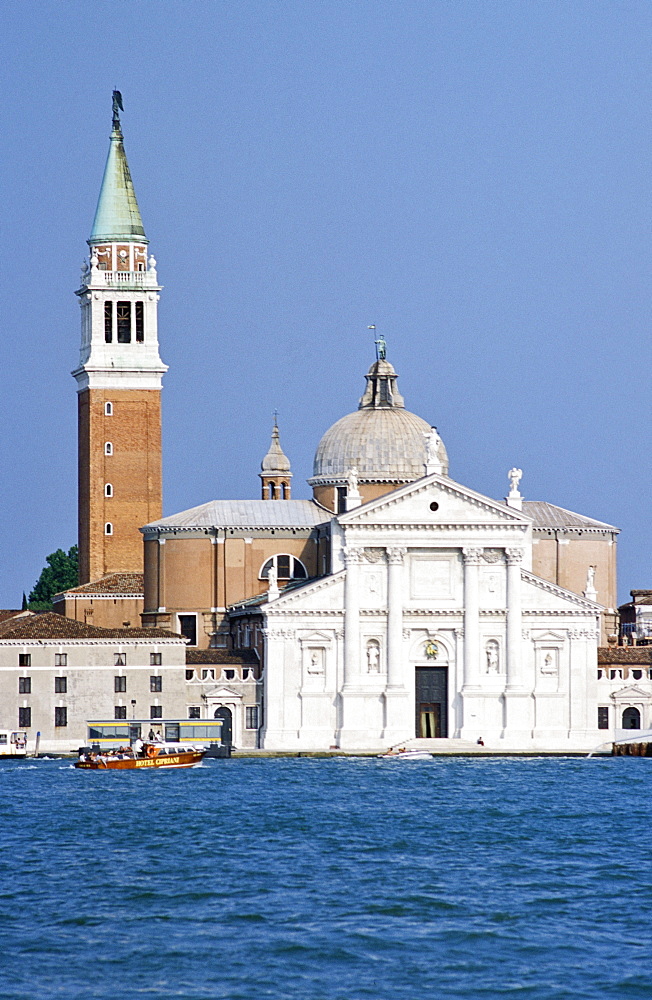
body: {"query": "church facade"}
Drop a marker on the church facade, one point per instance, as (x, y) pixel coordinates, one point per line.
(396, 604)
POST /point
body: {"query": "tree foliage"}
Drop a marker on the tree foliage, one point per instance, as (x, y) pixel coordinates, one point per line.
(60, 573)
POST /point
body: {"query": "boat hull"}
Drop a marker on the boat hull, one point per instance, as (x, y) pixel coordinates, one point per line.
(187, 759)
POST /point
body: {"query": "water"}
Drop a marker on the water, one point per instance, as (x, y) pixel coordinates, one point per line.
(327, 880)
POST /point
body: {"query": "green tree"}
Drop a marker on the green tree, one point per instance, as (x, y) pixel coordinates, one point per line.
(60, 573)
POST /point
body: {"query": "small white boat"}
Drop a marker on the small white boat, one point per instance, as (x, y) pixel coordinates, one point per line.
(13, 744)
(402, 754)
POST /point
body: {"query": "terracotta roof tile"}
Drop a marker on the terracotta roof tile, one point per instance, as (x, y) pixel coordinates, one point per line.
(53, 626)
(221, 656)
(619, 655)
(113, 583)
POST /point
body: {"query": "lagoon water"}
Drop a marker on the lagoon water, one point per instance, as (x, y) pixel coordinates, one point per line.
(339, 879)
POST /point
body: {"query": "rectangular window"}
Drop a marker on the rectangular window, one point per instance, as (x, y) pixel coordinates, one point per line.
(194, 712)
(120, 712)
(156, 711)
(24, 659)
(156, 684)
(603, 717)
(283, 567)
(155, 659)
(140, 322)
(188, 628)
(251, 717)
(24, 685)
(61, 659)
(120, 659)
(60, 717)
(341, 499)
(24, 718)
(60, 685)
(120, 684)
(108, 322)
(124, 322)
(190, 675)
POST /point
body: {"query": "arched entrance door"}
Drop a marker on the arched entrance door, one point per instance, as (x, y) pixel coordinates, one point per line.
(226, 716)
(631, 718)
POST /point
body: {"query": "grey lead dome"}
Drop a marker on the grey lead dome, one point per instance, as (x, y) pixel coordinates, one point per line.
(382, 440)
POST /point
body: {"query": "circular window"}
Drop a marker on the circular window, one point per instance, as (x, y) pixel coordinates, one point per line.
(434, 505)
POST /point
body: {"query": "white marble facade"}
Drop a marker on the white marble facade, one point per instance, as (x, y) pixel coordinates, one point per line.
(431, 575)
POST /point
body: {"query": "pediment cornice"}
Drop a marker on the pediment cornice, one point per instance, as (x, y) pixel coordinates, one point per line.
(504, 514)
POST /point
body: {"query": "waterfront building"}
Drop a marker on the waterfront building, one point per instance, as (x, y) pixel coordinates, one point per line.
(396, 603)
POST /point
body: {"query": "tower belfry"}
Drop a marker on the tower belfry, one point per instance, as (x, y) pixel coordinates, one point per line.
(118, 379)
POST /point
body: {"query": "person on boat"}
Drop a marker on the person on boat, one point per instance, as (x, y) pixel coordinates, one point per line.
(138, 746)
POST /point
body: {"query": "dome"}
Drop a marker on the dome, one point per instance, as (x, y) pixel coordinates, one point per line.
(380, 444)
(382, 440)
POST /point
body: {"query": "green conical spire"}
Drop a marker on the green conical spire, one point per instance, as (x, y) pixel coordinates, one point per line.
(117, 216)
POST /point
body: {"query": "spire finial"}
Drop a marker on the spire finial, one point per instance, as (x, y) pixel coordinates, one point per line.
(275, 415)
(117, 107)
(381, 346)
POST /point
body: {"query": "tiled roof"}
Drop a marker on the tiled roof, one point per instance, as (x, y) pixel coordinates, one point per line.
(114, 583)
(221, 656)
(623, 655)
(548, 515)
(53, 626)
(247, 514)
(9, 613)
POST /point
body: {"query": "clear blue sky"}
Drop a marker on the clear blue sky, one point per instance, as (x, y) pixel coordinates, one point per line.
(473, 178)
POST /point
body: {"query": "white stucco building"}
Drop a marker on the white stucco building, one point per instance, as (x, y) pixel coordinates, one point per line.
(430, 622)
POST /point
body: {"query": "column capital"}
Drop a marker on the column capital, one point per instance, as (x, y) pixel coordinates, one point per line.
(514, 556)
(353, 555)
(472, 556)
(395, 555)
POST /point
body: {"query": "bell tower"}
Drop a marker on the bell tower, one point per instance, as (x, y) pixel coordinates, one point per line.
(118, 379)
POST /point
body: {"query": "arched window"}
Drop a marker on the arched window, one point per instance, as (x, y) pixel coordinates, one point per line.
(108, 448)
(108, 528)
(108, 409)
(631, 718)
(108, 490)
(287, 568)
(284, 491)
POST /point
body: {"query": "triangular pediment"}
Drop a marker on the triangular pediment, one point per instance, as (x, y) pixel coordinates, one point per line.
(631, 692)
(223, 693)
(434, 500)
(324, 591)
(541, 593)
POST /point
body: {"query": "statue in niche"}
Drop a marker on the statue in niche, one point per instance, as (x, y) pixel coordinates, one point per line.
(549, 665)
(373, 658)
(491, 653)
(316, 661)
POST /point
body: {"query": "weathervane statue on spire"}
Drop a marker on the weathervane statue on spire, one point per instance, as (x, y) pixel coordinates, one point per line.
(381, 346)
(117, 107)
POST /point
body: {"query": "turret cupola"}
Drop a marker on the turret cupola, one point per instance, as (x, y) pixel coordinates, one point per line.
(275, 472)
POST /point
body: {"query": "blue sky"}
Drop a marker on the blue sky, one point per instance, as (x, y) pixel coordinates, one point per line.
(471, 177)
